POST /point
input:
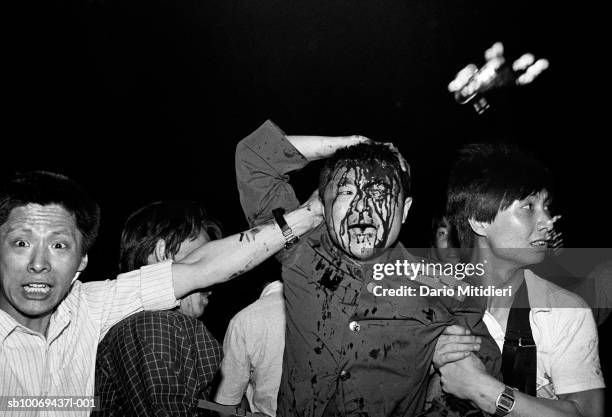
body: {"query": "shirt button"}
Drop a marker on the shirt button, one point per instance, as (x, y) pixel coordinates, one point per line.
(344, 375)
(370, 286)
(354, 326)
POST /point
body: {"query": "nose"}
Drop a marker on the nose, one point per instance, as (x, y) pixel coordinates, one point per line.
(39, 261)
(361, 203)
(545, 222)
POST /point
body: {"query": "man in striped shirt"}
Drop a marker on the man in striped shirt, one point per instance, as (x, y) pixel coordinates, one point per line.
(50, 323)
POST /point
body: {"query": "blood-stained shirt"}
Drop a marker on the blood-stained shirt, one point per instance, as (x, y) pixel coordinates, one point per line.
(349, 350)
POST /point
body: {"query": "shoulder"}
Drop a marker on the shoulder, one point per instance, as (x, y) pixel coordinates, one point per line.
(88, 299)
(149, 324)
(545, 294)
(560, 315)
(258, 313)
(602, 270)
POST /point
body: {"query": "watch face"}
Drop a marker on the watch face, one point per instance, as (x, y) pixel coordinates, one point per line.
(504, 403)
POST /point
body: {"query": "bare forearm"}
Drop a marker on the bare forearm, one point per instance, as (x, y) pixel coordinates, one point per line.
(319, 147)
(581, 404)
(221, 260)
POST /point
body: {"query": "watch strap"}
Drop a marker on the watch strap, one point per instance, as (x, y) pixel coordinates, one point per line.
(290, 238)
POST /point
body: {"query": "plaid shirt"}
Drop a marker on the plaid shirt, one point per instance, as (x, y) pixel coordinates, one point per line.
(155, 363)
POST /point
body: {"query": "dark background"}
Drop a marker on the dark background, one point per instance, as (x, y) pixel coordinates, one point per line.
(145, 100)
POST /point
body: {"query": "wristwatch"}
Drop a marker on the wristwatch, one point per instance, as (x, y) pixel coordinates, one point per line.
(505, 402)
(290, 238)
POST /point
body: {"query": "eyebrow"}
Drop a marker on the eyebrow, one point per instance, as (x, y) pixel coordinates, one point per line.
(61, 233)
(534, 197)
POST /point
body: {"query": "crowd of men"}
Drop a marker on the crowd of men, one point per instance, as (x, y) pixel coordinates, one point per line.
(319, 341)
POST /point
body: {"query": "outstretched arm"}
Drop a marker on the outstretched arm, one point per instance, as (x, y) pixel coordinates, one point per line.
(221, 260)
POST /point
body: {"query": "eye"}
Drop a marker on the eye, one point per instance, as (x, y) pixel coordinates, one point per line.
(378, 192)
(346, 190)
(527, 206)
(59, 245)
(21, 244)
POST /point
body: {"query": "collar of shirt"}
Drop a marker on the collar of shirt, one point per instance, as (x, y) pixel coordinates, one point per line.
(539, 295)
(539, 299)
(7, 325)
(271, 288)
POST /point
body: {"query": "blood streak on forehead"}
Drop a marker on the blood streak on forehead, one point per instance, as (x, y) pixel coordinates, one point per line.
(364, 175)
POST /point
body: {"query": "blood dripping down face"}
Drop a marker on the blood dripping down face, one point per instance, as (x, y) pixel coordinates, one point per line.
(364, 209)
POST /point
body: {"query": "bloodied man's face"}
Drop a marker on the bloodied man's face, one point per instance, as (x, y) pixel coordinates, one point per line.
(364, 210)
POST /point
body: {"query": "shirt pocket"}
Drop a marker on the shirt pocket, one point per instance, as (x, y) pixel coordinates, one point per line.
(399, 343)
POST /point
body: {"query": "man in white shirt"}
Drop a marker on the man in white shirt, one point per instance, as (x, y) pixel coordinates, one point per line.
(50, 323)
(498, 199)
(253, 353)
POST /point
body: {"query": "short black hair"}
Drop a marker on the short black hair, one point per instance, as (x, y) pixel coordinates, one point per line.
(46, 188)
(373, 157)
(173, 221)
(486, 179)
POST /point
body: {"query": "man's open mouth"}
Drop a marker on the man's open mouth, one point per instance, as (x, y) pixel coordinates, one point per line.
(37, 288)
(539, 243)
(361, 227)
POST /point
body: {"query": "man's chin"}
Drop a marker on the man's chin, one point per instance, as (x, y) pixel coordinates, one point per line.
(362, 253)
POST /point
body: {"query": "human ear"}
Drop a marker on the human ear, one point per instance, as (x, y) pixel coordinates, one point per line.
(83, 264)
(407, 204)
(160, 251)
(478, 227)
(81, 268)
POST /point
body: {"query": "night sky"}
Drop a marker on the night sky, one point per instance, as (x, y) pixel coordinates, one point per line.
(146, 100)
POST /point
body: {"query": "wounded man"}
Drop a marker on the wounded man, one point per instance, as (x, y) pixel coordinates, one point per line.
(347, 351)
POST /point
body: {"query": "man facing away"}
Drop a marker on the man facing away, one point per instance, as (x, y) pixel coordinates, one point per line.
(253, 353)
(51, 323)
(348, 352)
(159, 362)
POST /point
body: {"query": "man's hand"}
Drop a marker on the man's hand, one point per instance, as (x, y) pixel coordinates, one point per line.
(467, 379)
(314, 205)
(320, 147)
(454, 344)
(403, 164)
(555, 239)
(357, 139)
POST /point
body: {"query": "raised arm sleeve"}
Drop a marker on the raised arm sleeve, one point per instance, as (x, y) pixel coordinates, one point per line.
(263, 161)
